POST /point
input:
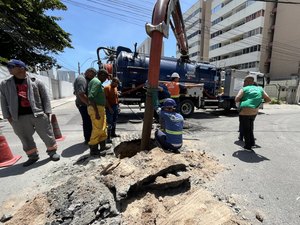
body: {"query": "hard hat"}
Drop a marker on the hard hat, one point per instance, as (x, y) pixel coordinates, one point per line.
(169, 102)
(175, 75)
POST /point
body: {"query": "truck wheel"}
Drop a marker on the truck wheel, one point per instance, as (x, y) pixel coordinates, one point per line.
(186, 107)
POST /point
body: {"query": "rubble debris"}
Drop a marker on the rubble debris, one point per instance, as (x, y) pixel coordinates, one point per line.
(5, 218)
(138, 187)
(259, 217)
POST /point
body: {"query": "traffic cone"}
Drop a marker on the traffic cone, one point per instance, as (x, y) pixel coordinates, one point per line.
(6, 157)
(56, 131)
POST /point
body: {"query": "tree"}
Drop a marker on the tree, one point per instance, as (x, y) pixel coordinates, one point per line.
(27, 33)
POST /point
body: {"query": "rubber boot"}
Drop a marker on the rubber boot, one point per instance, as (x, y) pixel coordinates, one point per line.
(94, 151)
(113, 132)
(31, 159)
(108, 140)
(103, 146)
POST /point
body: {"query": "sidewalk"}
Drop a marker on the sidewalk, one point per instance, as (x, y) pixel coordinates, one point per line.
(54, 103)
(58, 102)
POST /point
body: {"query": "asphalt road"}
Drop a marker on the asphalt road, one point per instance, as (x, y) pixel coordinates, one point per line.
(264, 183)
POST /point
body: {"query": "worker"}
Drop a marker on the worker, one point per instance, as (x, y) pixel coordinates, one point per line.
(112, 108)
(163, 94)
(82, 101)
(96, 110)
(26, 105)
(175, 88)
(169, 136)
(250, 97)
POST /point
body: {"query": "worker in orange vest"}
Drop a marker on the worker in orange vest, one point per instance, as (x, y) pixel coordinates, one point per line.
(175, 88)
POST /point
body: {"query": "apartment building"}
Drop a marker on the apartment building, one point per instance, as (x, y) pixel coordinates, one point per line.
(192, 20)
(145, 47)
(250, 35)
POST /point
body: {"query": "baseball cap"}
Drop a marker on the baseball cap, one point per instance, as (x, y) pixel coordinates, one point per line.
(16, 62)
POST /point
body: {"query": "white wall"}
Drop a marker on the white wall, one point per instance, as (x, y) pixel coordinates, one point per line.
(56, 88)
(65, 88)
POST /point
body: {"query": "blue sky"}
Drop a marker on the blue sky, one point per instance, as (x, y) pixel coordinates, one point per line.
(95, 23)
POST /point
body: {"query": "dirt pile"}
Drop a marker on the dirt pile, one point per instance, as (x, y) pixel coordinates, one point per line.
(149, 187)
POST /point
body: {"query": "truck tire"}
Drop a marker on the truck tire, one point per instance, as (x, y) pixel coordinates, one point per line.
(186, 108)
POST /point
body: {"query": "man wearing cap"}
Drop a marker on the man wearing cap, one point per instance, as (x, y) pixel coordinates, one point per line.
(249, 97)
(170, 135)
(26, 105)
(96, 110)
(175, 88)
(82, 101)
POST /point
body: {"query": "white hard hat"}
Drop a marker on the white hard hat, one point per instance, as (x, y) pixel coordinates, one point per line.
(175, 75)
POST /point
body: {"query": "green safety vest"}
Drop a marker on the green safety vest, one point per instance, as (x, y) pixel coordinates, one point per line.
(252, 97)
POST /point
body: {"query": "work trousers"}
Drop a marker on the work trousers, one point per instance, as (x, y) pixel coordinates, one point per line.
(86, 122)
(177, 100)
(247, 127)
(25, 127)
(162, 140)
(112, 117)
(99, 132)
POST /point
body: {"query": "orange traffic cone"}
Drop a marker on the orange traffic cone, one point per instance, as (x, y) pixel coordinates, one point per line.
(6, 157)
(56, 131)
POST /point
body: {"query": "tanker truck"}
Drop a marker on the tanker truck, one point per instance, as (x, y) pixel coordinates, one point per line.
(207, 87)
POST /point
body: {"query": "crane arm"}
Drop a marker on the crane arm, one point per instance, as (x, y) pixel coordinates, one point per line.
(162, 12)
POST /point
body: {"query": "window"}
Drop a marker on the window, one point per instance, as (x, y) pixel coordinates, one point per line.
(194, 34)
(192, 15)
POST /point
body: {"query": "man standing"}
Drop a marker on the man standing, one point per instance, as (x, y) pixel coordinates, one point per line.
(174, 88)
(170, 135)
(250, 97)
(26, 105)
(82, 101)
(112, 107)
(96, 110)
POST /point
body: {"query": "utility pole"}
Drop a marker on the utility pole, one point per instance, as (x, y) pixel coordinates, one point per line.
(78, 68)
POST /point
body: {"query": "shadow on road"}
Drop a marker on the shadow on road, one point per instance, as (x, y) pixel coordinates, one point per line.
(212, 114)
(239, 143)
(249, 156)
(19, 169)
(73, 150)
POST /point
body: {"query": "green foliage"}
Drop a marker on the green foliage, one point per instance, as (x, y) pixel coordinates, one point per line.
(27, 33)
(275, 101)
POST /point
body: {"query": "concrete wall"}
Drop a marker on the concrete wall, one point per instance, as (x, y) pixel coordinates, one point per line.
(65, 89)
(56, 88)
(286, 90)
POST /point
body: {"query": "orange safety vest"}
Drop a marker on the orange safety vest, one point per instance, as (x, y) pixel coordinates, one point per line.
(173, 88)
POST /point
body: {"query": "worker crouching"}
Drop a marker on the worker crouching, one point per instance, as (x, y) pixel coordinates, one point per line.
(169, 137)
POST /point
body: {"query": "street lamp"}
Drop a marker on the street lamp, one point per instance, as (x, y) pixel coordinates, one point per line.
(82, 64)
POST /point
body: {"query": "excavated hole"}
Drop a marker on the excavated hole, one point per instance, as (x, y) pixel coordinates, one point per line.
(131, 148)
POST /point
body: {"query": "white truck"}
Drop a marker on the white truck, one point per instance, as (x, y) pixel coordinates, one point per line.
(227, 85)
